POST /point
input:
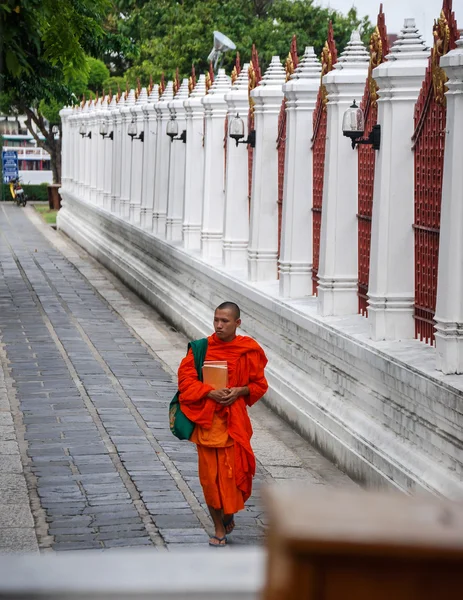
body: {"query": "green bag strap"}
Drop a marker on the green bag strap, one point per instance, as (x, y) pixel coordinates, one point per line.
(199, 349)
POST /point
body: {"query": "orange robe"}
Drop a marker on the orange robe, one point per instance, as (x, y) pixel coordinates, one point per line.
(223, 433)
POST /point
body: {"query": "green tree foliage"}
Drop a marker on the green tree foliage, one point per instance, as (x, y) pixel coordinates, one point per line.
(116, 48)
(177, 33)
(115, 83)
(86, 83)
(45, 44)
(98, 72)
(43, 59)
(78, 84)
(50, 110)
(60, 33)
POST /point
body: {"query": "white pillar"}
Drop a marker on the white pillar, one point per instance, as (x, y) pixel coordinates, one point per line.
(161, 174)
(77, 152)
(295, 264)
(72, 149)
(149, 160)
(236, 217)
(87, 143)
(338, 270)
(72, 173)
(66, 133)
(81, 152)
(117, 157)
(80, 155)
(94, 144)
(126, 160)
(215, 112)
(138, 147)
(176, 191)
(449, 308)
(108, 145)
(66, 141)
(391, 287)
(194, 167)
(87, 151)
(263, 237)
(101, 114)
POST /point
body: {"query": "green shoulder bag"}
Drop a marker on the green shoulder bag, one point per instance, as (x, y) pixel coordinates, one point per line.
(180, 424)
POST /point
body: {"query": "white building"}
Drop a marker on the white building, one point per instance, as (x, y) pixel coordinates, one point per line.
(33, 161)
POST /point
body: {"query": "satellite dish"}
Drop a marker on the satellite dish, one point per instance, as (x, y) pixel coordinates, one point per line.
(221, 45)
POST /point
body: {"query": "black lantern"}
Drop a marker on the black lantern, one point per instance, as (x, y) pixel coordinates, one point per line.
(83, 131)
(132, 131)
(104, 130)
(172, 130)
(236, 132)
(353, 127)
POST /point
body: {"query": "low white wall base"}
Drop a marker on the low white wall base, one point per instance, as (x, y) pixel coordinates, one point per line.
(379, 410)
(135, 575)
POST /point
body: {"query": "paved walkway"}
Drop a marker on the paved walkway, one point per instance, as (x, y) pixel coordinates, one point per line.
(90, 370)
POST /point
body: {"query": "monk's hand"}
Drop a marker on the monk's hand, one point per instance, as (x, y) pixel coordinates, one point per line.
(233, 394)
(218, 395)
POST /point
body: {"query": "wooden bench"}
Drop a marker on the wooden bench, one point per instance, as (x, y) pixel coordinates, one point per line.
(331, 544)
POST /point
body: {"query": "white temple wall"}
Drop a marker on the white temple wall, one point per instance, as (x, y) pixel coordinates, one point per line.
(385, 421)
(377, 407)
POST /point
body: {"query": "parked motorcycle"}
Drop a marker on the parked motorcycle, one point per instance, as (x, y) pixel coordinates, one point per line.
(17, 192)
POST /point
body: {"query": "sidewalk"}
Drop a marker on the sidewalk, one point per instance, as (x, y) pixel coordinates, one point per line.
(17, 532)
(93, 371)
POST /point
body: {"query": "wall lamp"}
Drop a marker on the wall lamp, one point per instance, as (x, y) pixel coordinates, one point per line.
(83, 132)
(104, 131)
(353, 126)
(172, 131)
(132, 131)
(236, 132)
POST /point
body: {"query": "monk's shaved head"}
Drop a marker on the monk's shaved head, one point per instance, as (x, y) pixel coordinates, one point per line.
(230, 306)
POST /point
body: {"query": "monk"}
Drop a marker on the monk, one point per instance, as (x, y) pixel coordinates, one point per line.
(223, 429)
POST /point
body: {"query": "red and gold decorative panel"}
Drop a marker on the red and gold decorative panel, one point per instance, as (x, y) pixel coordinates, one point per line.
(328, 59)
(428, 145)
(366, 160)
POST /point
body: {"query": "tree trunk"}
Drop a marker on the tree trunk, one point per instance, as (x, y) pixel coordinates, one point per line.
(55, 159)
(49, 144)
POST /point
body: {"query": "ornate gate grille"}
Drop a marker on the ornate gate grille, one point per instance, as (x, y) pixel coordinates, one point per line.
(290, 66)
(428, 144)
(366, 160)
(328, 59)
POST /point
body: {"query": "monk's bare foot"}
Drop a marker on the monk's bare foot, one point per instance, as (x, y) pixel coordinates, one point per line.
(229, 523)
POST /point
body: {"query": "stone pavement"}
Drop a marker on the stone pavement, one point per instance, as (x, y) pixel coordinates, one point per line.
(16, 522)
(90, 370)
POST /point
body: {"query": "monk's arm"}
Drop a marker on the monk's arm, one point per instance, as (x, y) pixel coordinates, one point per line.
(190, 388)
(257, 385)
